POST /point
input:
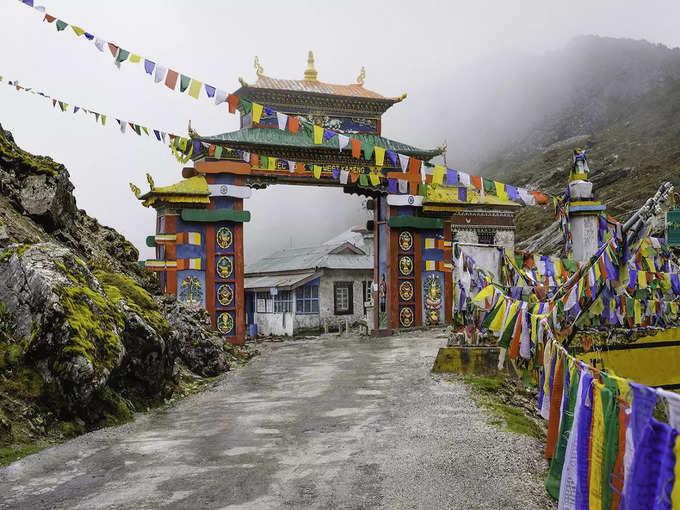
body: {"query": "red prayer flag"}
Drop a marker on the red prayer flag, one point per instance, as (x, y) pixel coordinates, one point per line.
(49, 18)
(353, 176)
(232, 100)
(114, 49)
(171, 79)
(299, 168)
(476, 181)
(540, 197)
(293, 124)
(211, 150)
(254, 160)
(54, 102)
(356, 147)
(414, 165)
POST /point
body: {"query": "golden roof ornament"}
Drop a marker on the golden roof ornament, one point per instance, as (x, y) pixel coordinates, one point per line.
(310, 72)
(242, 81)
(192, 133)
(258, 68)
(150, 181)
(136, 190)
(362, 76)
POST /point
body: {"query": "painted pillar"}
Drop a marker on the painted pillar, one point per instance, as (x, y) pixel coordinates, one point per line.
(584, 215)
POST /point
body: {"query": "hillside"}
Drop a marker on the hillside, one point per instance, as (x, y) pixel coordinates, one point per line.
(632, 143)
(85, 338)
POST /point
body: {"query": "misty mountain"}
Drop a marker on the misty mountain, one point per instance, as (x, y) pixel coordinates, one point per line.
(617, 98)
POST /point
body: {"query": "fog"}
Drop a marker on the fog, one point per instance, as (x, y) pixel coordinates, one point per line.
(461, 64)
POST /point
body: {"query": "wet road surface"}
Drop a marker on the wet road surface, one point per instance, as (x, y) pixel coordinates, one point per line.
(322, 423)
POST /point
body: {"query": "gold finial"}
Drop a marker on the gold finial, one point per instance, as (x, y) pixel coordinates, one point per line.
(192, 133)
(310, 72)
(242, 81)
(150, 181)
(258, 68)
(402, 97)
(136, 190)
(362, 76)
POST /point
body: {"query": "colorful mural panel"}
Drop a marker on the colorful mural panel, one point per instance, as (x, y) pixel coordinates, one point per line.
(432, 299)
(225, 267)
(225, 323)
(406, 316)
(225, 295)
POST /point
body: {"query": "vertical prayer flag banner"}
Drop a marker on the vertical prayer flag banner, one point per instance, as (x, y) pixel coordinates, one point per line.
(379, 155)
(318, 134)
(257, 112)
(317, 171)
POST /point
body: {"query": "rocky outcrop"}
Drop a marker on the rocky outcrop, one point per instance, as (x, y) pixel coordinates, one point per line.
(200, 349)
(71, 331)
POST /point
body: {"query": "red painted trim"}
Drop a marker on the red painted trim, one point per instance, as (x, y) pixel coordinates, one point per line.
(170, 254)
(418, 268)
(376, 264)
(378, 126)
(210, 271)
(223, 167)
(448, 278)
(392, 276)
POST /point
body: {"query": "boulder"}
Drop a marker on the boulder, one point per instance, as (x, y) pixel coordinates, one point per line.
(71, 330)
(199, 348)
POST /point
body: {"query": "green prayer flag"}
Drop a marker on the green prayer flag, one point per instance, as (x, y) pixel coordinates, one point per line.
(490, 316)
(368, 150)
(264, 161)
(506, 337)
(570, 265)
(63, 106)
(96, 117)
(422, 189)
(245, 105)
(184, 82)
(145, 131)
(103, 120)
(363, 180)
(218, 152)
(122, 55)
(61, 25)
(137, 130)
(488, 185)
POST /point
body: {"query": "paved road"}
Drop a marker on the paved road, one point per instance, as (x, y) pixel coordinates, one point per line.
(323, 423)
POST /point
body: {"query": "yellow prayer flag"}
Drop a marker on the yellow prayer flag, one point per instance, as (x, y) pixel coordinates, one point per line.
(637, 310)
(375, 180)
(183, 143)
(500, 190)
(257, 112)
(379, 155)
(497, 322)
(486, 292)
(271, 163)
(318, 134)
(438, 176)
(597, 440)
(134, 58)
(103, 117)
(317, 171)
(642, 279)
(675, 492)
(195, 88)
(79, 31)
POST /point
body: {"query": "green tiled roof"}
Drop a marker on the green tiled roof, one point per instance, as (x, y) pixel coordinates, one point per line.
(248, 137)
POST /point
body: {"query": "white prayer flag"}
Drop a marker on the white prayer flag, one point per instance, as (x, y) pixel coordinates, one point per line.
(159, 73)
(344, 174)
(403, 186)
(464, 179)
(246, 156)
(220, 96)
(123, 126)
(99, 43)
(403, 160)
(291, 166)
(342, 141)
(526, 197)
(282, 119)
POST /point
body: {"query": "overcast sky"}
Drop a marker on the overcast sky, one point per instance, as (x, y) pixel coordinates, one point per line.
(425, 48)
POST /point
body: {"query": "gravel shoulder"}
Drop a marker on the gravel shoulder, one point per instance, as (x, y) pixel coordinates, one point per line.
(319, 423)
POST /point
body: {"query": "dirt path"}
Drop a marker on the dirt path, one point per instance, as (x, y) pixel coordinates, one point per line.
(325, 423)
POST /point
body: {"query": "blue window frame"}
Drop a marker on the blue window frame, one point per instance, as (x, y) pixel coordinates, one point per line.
(307, 299)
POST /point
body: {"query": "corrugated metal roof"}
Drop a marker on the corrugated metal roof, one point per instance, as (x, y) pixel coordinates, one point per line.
(313, 257)
(271, 136)
(319, 87)
(284, 282)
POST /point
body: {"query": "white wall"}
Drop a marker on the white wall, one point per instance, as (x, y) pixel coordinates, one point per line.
(276, 324)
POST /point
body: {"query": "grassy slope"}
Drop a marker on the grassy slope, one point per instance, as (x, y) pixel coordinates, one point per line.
(639, 149)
